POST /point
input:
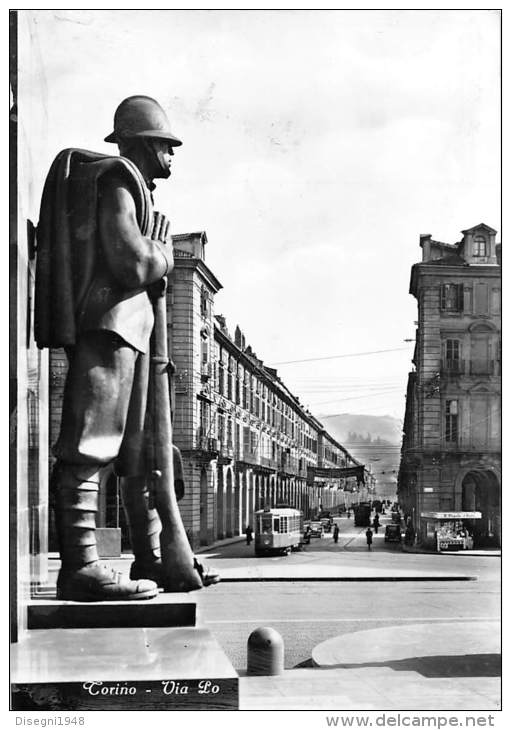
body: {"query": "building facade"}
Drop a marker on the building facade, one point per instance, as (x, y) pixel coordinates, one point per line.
(246, 440)
(451, 450)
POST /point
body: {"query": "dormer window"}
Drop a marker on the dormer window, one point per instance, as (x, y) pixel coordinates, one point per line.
(479, 246)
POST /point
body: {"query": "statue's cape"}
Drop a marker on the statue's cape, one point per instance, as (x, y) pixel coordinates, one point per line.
(67, 237)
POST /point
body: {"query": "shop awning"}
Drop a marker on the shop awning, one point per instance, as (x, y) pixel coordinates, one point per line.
(452, 515)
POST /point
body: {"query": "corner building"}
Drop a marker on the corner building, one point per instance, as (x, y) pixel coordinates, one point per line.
(451, 450)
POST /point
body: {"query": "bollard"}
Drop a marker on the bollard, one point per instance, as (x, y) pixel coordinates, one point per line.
(265, 652)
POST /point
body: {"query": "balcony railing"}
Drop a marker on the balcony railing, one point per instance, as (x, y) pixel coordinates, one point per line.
(455, 366)
(208, 444)
(250, 455)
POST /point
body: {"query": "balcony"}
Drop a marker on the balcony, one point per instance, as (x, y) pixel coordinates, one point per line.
(249, 456)
(270, 463)
(206, 447)
(453, 367)
(206, 371)
(226, 449)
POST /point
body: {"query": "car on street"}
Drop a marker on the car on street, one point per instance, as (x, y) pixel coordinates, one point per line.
(316, 529)
(393, 533)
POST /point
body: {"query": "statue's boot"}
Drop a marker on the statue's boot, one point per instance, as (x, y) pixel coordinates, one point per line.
(82, 577)
(144, 527)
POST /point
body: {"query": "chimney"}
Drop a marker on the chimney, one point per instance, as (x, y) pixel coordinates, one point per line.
(425, 243)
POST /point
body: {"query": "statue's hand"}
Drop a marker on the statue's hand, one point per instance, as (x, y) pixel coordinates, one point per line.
(161, 229)
(161, 233)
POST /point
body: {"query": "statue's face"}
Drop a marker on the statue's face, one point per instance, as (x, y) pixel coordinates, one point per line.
(163, 154)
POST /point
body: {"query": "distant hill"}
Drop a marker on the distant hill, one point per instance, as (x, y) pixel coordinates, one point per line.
(375, 441)
(367, 428)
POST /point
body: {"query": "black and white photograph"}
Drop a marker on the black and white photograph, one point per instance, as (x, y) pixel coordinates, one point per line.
(255, 367)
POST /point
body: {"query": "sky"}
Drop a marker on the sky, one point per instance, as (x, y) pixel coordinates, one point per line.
(317, 147)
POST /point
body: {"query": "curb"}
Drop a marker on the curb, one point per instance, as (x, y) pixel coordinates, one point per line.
(347, 579)
(465, 553)
(219, 543)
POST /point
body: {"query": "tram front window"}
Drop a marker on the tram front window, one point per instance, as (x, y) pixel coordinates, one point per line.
(265, 525)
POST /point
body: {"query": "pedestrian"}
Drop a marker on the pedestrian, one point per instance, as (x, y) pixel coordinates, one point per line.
(376, 524)
(248, 533)
(336, 533)
(369, 537)
(349, 514)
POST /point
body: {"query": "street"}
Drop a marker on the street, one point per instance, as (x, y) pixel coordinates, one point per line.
(307, 613)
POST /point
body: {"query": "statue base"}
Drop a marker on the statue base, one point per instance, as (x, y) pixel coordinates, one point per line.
(132, 655)
(122, 669)
(166, 610)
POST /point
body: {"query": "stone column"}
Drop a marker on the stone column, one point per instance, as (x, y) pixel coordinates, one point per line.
(238, 528)
(229, 517)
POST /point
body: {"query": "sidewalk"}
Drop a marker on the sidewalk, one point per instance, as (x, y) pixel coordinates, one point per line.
(484, 553)
(416, 667)
(307, 567)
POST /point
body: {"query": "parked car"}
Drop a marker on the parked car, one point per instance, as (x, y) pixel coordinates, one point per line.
(393, 533)
(316, 529)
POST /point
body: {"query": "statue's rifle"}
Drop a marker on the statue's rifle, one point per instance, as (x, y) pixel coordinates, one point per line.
(176, 553)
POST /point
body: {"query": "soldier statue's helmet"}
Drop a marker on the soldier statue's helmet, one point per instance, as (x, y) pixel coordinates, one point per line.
(141, 116)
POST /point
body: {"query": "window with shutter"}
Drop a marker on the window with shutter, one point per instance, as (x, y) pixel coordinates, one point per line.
(451, 421)
(452, 355)
(451, 297)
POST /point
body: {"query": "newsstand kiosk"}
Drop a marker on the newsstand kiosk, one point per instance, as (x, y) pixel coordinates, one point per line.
(449, 530)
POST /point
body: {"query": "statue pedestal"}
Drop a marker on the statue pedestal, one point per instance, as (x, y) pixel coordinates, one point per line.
(166, 610)
(133, 655)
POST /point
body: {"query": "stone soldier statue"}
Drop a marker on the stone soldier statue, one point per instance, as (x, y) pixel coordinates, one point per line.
(102, 253)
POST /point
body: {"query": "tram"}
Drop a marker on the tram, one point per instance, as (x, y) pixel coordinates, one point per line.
(278, 530)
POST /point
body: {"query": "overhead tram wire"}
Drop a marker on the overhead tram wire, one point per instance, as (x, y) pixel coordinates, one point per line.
(377, 394)
(336, 357)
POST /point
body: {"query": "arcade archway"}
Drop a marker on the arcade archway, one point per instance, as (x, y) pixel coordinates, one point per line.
(480, 491)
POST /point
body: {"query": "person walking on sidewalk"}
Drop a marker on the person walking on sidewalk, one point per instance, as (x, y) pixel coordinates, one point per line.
(376, 524)
(336, 533)
(248, 533)
(369, 538)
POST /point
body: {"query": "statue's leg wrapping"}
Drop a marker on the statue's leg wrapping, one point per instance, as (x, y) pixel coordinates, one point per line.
(82, 577)
(76, 506)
